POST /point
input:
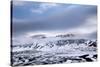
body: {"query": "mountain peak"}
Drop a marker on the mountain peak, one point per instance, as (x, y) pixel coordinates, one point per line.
(66, 35)
(38, 36)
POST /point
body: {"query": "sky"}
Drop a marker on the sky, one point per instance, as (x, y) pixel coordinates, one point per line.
(30, 18)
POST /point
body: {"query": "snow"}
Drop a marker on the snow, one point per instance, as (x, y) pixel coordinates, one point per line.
(52, 50)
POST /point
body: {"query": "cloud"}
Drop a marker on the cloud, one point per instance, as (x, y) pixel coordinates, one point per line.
(16, 20)
(43, 7)
(93, 35)
(89, 26)
(37, 11)
(62, 18)
(48, 5)
(87, 29)
(19, 3)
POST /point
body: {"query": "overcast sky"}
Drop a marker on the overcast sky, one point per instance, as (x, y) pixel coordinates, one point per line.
(30, 18)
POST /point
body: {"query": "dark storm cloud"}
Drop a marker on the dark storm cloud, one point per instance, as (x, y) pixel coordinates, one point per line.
(67, 18)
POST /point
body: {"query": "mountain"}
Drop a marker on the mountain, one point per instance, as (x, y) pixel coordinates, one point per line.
(38, 36)
(58, 43)
(54, 50)
(65, 35)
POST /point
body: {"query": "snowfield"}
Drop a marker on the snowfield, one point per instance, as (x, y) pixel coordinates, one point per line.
(54, 50)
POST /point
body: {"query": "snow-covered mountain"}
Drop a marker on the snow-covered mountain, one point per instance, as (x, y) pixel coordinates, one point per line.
(41, 49)
(65, 35)
(56, 43)
(40, 36)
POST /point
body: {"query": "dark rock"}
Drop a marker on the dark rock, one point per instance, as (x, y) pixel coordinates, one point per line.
(88, 59)
(95, 56)
(84, 56)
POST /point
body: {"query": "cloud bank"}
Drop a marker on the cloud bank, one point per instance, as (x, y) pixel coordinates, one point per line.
(30, 18)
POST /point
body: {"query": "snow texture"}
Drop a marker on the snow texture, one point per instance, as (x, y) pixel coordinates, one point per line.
(54, 50)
